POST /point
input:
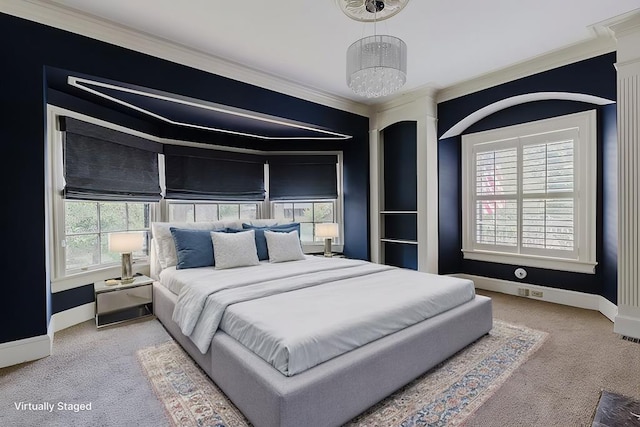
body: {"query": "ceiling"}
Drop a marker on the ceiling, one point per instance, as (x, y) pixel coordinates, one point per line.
(305, 41)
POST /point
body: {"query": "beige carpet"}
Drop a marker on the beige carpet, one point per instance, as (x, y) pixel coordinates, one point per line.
(446, 395)
(561, 385)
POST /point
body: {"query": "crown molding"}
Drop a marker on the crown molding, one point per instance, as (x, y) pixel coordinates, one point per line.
(623, 24)
(425, 92)
(602, 42)
(57, 16)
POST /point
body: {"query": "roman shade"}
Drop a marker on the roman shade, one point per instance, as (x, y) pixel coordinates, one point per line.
(105, 164)
(303, 177)
(199, 174)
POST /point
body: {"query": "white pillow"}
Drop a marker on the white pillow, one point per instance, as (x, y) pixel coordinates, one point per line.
(165, 246)
(283, 246)
(234, 249)
(263, 222)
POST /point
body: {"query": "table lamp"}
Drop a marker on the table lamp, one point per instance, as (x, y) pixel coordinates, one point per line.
(125, 243)
(328, 231)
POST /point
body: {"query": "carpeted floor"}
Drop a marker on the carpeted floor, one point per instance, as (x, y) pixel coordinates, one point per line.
(560, 385)
(446, 395)
(87, 366)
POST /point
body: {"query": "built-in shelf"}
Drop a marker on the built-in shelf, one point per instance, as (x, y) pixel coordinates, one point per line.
(406, 242)
(398, 213)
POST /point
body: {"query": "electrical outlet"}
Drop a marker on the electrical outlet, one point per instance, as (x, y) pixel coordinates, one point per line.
(523, 292)
(537, 294)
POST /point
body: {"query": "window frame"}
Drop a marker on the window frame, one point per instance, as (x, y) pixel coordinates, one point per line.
(583, 258)
(61, 279)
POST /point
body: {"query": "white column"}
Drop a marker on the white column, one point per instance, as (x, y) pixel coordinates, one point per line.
(375, 188)
(627, 33)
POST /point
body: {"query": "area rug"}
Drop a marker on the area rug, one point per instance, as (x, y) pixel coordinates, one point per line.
(444, 396)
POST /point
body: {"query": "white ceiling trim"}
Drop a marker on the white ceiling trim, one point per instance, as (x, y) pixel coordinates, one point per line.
(480, 114)
(63, 18)
(81, 83)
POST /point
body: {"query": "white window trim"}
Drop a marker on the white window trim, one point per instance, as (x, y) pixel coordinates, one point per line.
(62, 280)
(585, 188)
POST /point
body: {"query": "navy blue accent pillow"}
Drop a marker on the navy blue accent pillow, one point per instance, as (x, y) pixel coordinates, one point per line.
(232, 230)
(261, 241)
(194, 248)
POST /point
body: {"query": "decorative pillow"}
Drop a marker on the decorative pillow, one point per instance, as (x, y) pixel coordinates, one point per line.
(234, 249)
(193, 248)
(267, 222)
(165, 246)
(261, 242)
(283, 246)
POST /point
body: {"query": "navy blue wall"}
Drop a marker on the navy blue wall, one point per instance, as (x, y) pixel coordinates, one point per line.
(29, 51)
(595, 76)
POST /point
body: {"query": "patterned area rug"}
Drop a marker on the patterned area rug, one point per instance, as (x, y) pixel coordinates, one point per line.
(445, 396)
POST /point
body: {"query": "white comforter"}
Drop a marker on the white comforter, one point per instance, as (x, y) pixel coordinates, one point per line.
(298, 314)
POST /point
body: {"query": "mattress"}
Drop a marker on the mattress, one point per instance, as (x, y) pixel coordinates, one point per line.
(299, 314)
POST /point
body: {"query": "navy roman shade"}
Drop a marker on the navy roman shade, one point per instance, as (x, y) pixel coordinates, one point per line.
(201, 174)
(303, 177)
(105, 164)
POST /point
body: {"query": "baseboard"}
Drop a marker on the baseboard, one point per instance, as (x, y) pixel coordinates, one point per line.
(608, 308)
(554, 295)
(26, 350)
(627, 321)
(73, 316)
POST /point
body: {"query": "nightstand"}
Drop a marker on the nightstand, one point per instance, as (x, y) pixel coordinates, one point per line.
(120, 303)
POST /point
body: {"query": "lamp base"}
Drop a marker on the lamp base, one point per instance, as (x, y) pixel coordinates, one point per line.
(127, 269)
(327, 247)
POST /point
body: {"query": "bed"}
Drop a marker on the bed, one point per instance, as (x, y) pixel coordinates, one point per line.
(311, 341)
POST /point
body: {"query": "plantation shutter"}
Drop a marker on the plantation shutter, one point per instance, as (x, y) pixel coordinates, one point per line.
(199, 174)
(303, 177)
(548, 193)
(496, 197)
(105, 164)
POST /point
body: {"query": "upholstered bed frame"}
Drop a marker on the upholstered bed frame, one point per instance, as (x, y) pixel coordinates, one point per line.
(333, 392)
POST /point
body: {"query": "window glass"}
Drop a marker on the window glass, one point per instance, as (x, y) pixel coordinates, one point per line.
(211, 211)
(229, 211)
(181, 212)
(307, 214)
(206, 212)
(88, 224)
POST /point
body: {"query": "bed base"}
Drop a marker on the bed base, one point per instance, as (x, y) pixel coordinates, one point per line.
(335, 391)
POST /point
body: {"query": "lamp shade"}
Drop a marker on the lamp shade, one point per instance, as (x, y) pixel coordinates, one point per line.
(327, 230)
(125, 242)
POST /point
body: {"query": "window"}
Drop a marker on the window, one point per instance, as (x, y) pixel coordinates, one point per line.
(87, 225)
(307, 213)
(529, 194)
(102, 179)
(211, 211)
(105, 178)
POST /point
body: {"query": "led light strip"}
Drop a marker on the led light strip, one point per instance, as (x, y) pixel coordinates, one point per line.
(81, 83)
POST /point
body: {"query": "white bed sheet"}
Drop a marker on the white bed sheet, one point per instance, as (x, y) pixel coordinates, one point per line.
(299, 314)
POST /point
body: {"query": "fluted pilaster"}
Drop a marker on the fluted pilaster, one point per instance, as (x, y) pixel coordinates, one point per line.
(627, 33)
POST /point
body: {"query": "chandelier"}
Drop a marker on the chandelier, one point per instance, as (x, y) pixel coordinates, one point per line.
(376, 65)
